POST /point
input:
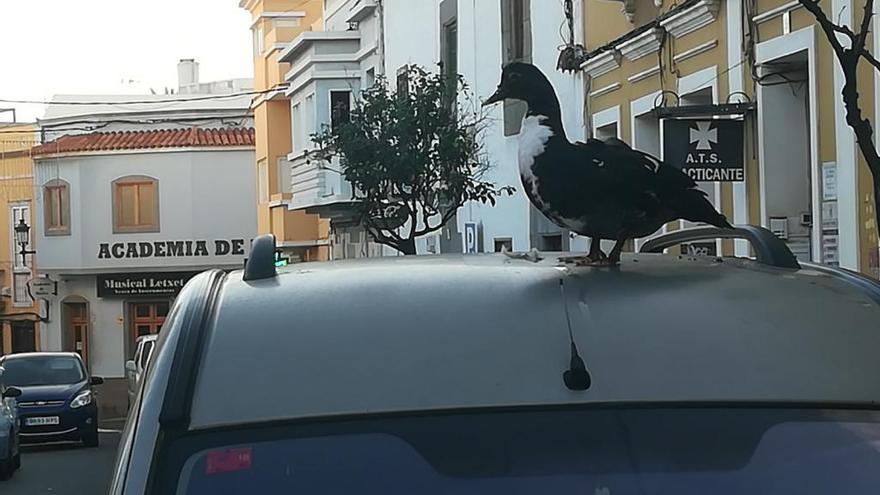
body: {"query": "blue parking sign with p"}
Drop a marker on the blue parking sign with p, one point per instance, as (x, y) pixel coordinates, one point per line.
(470, 237)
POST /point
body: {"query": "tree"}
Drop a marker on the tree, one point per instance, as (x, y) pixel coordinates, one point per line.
(412, 157)
(849, 53)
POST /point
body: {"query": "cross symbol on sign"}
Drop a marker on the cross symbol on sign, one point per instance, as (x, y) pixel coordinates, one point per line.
(704, 135)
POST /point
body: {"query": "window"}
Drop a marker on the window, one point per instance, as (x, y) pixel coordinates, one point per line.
(449, 59)
(23, 336)
(296, 116)
(43, 370)
(283, 175)
(607, 131)
(516, 30)
(308, 120)
(17, 213)
(340, 107)
(258, 41)
(403, 81)
(599, 451)
(502, 244)
(135, 205)
(449, 40)
(20, 295)
(263, 181)
(56, 208)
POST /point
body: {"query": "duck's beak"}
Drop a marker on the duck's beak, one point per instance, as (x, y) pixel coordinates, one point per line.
(499, 95)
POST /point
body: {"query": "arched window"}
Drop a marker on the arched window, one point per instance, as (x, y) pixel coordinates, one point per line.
(135, 204)
(56, 207)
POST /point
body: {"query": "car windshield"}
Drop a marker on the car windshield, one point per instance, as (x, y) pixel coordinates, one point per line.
(598, 452)
(42, 370)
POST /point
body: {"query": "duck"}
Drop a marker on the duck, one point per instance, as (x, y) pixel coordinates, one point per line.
(600, 189)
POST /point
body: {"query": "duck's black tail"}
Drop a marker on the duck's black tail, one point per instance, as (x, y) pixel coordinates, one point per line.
(694, 206)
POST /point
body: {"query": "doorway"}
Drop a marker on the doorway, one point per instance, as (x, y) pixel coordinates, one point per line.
(24, 336)
(75, 337)
(147, 318)
(786, 164)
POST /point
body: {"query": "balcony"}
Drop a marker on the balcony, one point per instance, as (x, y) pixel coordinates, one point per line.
(319, 189)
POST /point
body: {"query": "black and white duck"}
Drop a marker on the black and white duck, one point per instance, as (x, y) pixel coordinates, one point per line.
(598, 189)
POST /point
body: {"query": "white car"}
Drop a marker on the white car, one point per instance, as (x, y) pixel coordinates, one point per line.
(134, 368)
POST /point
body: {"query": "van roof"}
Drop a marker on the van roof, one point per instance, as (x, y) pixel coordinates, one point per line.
(449, 332)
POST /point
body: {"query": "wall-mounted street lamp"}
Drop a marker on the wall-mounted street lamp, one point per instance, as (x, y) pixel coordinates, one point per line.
(23, 239)
(46, 285)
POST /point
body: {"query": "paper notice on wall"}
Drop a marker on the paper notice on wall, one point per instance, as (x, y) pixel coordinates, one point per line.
(829, 181)
(830, 251)
(829, 215)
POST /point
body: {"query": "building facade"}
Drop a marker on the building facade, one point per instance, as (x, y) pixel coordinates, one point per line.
(127, 212)
(360, 40)
(765, 68)
(301, 236)
(20, 311)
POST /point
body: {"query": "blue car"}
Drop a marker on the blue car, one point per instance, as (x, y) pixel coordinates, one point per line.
(10, 457)
(56, 402)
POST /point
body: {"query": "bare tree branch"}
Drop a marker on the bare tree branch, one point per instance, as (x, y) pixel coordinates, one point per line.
(859, 43)
(827, 26)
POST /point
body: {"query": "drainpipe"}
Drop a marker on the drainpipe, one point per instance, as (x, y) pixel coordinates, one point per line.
(380, 12)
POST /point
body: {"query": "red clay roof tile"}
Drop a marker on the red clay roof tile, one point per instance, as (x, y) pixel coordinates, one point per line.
(135, 140)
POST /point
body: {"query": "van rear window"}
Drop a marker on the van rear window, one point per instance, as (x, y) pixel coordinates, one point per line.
(595, 452)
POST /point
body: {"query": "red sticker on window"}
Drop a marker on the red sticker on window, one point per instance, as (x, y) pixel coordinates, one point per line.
(228, 460)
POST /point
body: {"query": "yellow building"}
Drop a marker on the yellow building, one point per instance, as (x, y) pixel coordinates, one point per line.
(19, 314)
(656, 66)
(275, 24)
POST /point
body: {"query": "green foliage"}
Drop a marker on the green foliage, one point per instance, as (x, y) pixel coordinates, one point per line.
(413, 157)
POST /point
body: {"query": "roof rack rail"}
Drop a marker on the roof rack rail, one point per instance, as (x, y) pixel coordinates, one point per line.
(769, 249)
(869, 286)
(261, 264)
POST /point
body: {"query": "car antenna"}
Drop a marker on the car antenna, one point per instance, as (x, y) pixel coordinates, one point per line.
(576, 377)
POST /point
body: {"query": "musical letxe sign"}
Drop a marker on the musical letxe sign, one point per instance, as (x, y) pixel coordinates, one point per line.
(171, 249)
(142, 284)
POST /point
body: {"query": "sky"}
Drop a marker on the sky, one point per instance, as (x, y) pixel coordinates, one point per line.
(115, 46)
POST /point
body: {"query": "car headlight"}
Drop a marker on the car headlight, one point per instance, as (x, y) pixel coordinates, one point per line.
(83, 398)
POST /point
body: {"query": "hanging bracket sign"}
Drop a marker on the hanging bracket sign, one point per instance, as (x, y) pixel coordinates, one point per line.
(708, 150)
(43, 286)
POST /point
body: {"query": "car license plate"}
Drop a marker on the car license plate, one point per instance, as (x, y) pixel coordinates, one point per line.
(48, 420)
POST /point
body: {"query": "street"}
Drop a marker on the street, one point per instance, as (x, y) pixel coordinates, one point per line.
(63, 469)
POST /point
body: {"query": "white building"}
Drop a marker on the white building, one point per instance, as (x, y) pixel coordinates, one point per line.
(363, 39)
(132, 201)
